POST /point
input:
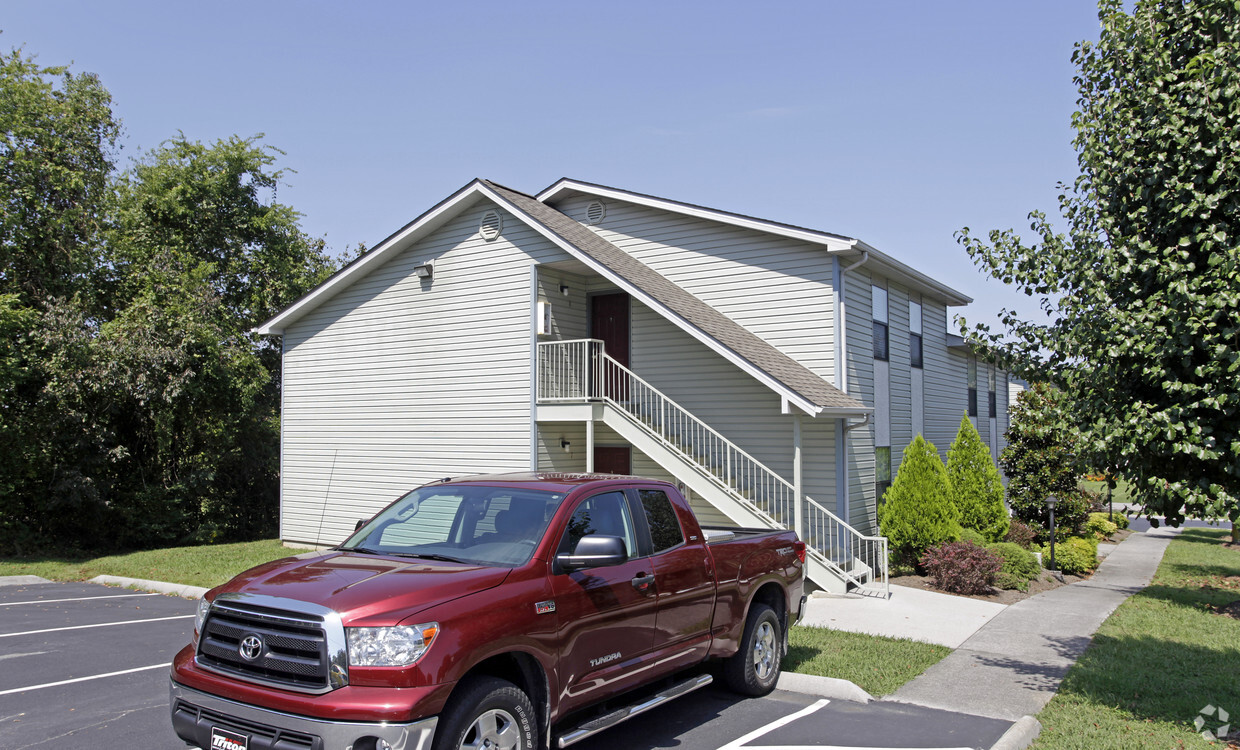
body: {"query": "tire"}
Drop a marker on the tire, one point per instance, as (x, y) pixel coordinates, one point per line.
(754, 669)
(487, 709)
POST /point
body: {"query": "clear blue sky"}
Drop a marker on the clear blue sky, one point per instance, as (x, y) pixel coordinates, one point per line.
(894, 122)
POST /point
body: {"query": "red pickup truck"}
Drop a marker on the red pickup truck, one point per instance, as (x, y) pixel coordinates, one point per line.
(512, 611)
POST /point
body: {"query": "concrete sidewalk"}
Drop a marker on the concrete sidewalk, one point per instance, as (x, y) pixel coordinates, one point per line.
(1012, 665)
(910, 613)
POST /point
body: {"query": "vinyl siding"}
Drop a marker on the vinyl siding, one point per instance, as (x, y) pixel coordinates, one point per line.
(901, 375)
(778, 288)
(945, 382)
(859, 330)
(398, 381)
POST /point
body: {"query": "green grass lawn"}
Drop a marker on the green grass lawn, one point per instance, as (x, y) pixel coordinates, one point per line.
(1120, 495)
(207, 565)
(877, 664)
(1158, 660)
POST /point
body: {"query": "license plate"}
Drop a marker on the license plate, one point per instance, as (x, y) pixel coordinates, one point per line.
(223, 739)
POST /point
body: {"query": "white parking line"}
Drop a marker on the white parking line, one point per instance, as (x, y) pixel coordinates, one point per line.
(100, 625)
(83, 679)
(78, 599)
(737, 743)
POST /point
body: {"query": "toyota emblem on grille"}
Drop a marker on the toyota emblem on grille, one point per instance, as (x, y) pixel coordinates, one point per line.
(251, 647)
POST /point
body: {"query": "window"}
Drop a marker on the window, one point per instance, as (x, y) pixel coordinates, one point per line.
(882, 472)
(606, 515)
(665, 530)
(972, 387)
(914, 333)
(879, 297)
(992, 404)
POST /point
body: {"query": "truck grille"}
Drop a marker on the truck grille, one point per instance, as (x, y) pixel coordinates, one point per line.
(273, 646)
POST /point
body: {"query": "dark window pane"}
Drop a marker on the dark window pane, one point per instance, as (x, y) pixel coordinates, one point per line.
(972, 402)
(661, 516)
(914, 349)
(880, 340)
(993, 404)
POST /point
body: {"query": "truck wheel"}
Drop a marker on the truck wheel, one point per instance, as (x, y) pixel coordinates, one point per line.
(488, 713)
(754, 669)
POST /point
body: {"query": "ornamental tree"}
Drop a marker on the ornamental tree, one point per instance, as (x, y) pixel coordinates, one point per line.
(1142, 291)
(917, 512)
(976, 487)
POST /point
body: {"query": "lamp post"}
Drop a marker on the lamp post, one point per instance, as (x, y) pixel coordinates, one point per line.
(1051, 500)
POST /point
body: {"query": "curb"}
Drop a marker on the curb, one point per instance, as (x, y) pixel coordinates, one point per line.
(824, 687)
(1020, 735)
(21, 580)
(173, 589)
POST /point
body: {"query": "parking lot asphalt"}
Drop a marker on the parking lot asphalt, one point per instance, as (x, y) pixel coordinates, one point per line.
(87, 665)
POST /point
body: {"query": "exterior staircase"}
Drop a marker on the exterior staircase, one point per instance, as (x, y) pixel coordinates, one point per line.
(580, 377)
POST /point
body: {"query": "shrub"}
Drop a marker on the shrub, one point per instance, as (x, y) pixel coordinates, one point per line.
(1018, 566)
(970, 535)
(1100, 526)
(918, 512)
(1021, 533)
(1076, 555)
(976, 488)
(1120, 520)
(1040, 460)
(961, 567)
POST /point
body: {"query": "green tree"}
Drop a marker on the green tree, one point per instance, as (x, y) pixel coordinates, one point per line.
(917, 512)
(1144, 286)
(1041, 459)
(977, 489)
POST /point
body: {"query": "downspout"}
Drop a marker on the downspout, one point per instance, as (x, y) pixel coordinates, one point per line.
(841, 381)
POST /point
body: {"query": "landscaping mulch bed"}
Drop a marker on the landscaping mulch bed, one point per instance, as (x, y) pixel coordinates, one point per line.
(1001, 596)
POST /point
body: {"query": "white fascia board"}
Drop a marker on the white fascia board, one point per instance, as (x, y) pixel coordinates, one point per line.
(745, 365)
(834, 243)
(900, 271)
(420, 226)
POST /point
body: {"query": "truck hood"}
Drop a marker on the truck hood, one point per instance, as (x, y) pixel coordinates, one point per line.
(367, 590)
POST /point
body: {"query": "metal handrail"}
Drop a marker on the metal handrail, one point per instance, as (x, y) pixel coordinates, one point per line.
(580, 369)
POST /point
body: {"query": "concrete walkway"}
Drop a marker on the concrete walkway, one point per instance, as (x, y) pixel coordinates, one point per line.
(915, 614)
(1012, 666)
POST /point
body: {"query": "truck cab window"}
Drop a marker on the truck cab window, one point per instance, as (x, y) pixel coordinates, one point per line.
(606, 515)
(665, 530)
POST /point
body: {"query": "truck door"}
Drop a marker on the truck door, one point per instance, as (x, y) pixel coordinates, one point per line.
(684, 577)
(606, 614)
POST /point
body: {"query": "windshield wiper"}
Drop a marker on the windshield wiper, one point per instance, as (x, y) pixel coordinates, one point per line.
(428, 556)
(363, 550)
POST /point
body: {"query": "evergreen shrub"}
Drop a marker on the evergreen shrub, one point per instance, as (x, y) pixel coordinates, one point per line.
(917, 512)
(1018, 566)
(961, 567)
(1076, 555)
(1100, 526)
(976, 488)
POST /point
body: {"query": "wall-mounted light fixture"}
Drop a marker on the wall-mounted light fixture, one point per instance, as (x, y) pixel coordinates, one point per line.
(564, 289)
(424, 271)
(567, 446)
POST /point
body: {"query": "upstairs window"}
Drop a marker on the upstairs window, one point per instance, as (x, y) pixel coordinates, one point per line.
(992, 402)
(972, 387)
(879, 297)
(914, 334)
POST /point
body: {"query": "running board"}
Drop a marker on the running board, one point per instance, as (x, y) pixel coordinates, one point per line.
(606, 721)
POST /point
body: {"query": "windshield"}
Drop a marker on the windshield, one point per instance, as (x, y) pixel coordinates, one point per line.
(463, 523)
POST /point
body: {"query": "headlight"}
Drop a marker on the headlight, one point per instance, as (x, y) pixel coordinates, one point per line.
(390, 647)
(200, 615)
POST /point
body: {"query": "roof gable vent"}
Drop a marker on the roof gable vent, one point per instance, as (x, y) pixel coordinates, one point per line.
(491, 225)
(595, 212)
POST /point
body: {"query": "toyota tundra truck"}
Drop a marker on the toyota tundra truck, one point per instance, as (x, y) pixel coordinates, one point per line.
(513, 611)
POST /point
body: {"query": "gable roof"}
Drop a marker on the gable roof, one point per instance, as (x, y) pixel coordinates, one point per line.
(727, 337)
(834, 243)
(792, 380)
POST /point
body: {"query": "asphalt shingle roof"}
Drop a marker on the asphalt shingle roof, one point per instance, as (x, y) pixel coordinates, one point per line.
(779, 366)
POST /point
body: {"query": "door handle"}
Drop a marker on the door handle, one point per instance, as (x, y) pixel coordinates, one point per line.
(643, 582)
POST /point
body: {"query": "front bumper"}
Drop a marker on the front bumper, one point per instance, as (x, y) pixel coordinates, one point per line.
(195, 713)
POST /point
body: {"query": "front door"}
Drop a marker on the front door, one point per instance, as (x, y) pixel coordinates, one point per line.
(613, 459)
(609, 322)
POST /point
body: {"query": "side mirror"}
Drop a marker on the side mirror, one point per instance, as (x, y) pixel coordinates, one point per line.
(594, 551)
